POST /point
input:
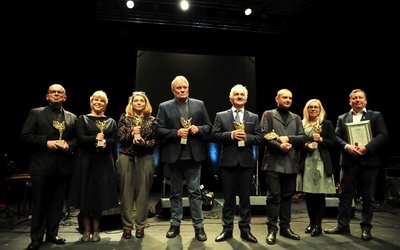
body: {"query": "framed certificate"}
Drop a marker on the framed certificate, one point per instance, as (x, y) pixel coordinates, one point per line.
(359, 132)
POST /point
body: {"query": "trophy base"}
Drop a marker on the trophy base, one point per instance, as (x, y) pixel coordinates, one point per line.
(240, 143)
(61, 143)
(137, 137)
(314, 145)
(100, 144)
(183, 140)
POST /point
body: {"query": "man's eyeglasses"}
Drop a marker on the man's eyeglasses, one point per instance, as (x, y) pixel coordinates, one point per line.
(56, 92)
(313, 107)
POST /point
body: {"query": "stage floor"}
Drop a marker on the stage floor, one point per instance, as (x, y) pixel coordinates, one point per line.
(385, 233)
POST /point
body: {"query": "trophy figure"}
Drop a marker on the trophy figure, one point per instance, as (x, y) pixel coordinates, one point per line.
(185, 124)
(137, 121)
(316, 128)
(61, 127)
(102, 126)
(271, 135)
(239, 125)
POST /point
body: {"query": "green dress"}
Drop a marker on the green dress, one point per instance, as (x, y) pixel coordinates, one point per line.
(314, 178)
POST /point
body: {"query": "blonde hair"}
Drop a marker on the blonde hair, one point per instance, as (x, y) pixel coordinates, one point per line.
(147, 107)
(321, 115)
(102, 95)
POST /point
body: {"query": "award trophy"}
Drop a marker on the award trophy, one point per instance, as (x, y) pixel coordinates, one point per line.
(186, 124)
(61, 127)
(102, 126)
(137, 121)
(239, 125)
(271, 135)
(316, 128)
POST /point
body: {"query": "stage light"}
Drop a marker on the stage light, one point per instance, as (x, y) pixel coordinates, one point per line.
(130, 4)
(184, 5)
(248, 11)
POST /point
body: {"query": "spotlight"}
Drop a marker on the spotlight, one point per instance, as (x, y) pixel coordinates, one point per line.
(130, 4)
(184, 5)
(248, 11)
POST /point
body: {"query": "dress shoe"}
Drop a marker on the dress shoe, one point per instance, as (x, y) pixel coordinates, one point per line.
(139, 233)
(248, 237)
(288, 233)
(173, 231)
(35, 245)
(127, 234)
(317, 231)
(309, 228)
(271, 238)
(224, 236)
(337, 230)
(56, 240)
(200, 234)
(366, 234)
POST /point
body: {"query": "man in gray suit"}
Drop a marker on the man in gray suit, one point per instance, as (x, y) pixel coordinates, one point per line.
(238, 130)
(50, 164)
(285, 137)
(359, 163)
(182, 123)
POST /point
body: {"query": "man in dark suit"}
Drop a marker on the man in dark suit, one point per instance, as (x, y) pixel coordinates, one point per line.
(281, 161)
(50, 133)
(359, 162)
(237, 130)
(182, 123)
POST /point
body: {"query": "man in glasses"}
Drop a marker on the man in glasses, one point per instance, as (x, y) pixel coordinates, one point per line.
(50, 132)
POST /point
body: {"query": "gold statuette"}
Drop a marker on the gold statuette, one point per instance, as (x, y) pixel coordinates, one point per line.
(137, 121)
(102, 126)
(185, 124)
(316, 128)
(271, 135)
(61, 128)
(239, 125)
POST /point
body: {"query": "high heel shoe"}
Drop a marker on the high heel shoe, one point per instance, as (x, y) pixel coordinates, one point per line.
(85, 237)
(95, 237)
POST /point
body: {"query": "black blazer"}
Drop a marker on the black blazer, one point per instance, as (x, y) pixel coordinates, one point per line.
(168, 123)
(37, 130)
(379, 138)
(231, 154)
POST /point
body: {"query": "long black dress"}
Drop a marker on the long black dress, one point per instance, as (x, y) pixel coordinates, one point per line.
(93, 184)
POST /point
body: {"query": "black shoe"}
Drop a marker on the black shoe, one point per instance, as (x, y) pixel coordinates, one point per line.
(127, 234)
(288, 233)
(55, 239)
(173, 231)
(224, 236)
(317, 231)
(309, 228)
(35, 245)
(271, 238)
(248, 237)
(366, 234)
(200, 234)
(337, 230)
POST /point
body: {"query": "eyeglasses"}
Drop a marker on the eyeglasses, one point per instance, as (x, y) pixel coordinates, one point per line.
(56, 92)
(313, 107)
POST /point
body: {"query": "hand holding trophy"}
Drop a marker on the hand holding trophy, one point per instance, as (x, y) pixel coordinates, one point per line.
(137, 121)
(61, 127)
(317, 129)
(185, 124)
(271, 136)
(102, 126)
(239, 125)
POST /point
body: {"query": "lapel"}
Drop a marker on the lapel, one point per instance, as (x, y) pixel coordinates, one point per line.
(365, 116)
(349, 117)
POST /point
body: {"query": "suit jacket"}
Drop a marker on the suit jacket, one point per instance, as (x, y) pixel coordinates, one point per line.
(231, 154)
(274, 158)
(325, 148)
(168, 123)
(37, 130)
(379, 138)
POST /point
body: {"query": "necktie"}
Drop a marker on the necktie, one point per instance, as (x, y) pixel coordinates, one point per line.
(237, 117)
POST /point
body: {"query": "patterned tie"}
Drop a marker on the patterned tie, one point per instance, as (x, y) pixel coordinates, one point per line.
(237, 117)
